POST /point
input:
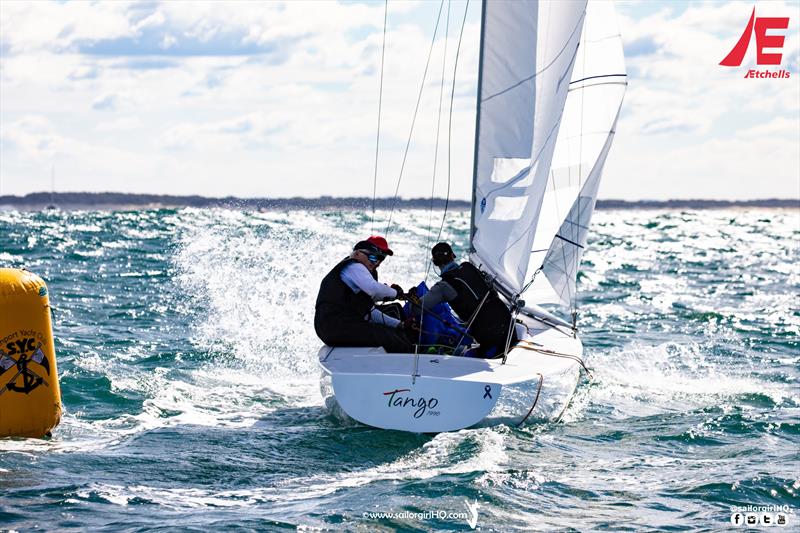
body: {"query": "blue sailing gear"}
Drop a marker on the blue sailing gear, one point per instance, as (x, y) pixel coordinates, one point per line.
(439, 325)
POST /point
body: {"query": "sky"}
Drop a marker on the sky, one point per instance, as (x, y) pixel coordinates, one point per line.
(280, 99)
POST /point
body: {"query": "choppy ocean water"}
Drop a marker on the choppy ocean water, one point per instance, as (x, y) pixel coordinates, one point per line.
(188, 373)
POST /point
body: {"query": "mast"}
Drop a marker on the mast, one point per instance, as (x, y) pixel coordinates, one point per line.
(477, 129)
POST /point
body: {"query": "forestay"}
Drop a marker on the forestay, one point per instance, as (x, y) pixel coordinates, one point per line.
(528, 50)
(587, 130)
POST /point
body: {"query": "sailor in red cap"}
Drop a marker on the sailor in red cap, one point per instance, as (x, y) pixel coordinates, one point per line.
(346, 314)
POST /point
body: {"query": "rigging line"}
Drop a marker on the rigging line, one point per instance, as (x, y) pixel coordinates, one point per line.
(535, 400)
(450, 123)
(473, 317)
(426, 258)
(448, 323)
(436, 149)
(414, 119)
(511, 328)
(533, 278)
(529, 345)
(378, 134)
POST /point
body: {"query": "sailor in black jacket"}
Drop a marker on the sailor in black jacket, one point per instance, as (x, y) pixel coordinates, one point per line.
(345, 313)
(464, 288)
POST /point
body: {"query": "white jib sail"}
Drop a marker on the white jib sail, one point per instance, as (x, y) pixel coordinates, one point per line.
(528, 50)
(584, 140)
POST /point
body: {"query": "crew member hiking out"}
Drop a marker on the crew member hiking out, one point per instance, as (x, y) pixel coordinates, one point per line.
(345, 310)
(467, 291)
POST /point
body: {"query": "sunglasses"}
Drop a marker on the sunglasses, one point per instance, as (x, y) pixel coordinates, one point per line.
(373, 257)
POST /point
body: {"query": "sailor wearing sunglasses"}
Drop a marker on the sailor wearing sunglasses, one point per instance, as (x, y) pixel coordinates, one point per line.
(345, 310)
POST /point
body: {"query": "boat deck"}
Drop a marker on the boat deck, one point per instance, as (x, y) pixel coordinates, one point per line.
(522, 364)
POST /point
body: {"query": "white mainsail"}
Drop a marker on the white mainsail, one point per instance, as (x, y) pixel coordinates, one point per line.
(528, 50)
(585, 136)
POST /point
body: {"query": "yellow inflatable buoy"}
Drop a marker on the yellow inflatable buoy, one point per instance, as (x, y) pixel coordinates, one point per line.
(30, 398)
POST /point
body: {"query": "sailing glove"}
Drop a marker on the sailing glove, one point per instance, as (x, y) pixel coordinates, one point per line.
(409, 324)
(400, 294)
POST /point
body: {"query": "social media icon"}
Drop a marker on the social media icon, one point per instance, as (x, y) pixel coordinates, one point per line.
(751, 519)
(781, 519)
(737, 519)
(766, 519)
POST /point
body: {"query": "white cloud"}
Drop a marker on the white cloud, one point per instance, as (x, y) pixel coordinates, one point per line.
(692, 128)
(168, 41)
(281, 99)
(120, 124)
(105, 102)
(32, 26)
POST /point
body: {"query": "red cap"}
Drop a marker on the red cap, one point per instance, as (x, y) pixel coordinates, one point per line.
(381, 243)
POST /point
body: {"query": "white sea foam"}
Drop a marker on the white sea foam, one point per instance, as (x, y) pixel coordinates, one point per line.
(434, 458)
(251, 279)
(642, 380)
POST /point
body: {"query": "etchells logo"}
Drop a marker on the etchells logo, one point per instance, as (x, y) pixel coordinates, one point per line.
(772, 41)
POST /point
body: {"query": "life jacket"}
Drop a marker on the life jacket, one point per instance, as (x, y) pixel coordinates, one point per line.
(470, 286)
(337, 302)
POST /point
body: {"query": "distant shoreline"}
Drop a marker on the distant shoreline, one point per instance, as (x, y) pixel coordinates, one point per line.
(126, 201)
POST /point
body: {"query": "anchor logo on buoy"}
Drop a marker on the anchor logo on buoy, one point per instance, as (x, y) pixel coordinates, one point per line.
(30, 378)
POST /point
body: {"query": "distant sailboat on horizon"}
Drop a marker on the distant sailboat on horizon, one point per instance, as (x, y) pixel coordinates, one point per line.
(52, 205)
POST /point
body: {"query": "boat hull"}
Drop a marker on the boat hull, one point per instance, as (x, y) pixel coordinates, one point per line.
(433, 393)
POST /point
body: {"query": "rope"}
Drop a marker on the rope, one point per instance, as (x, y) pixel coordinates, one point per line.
(436, 148)
(425, 259)
(535, 400)
(555, 354)
(380, 104)
(414, 119)
(450, 123)
(510, 331)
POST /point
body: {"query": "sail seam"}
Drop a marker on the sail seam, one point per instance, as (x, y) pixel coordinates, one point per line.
(599, 76)
(532, 76)
(569, 241)
(598, 84)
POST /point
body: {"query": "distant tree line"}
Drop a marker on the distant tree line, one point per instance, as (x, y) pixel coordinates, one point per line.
(115, 200)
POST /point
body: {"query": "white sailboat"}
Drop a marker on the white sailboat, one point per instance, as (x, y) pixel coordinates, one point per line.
(540, 146)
